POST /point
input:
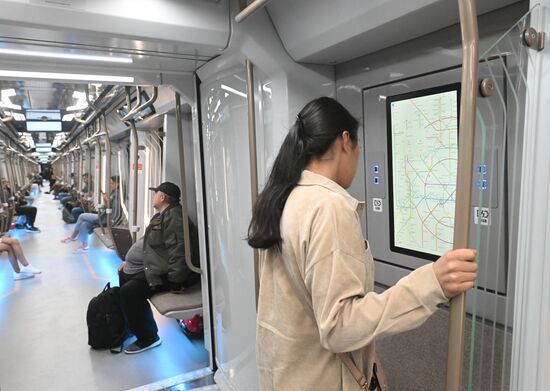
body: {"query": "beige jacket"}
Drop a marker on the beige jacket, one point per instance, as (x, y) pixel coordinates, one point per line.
(322, 236)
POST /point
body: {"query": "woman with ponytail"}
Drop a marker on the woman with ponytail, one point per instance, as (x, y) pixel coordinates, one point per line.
(318, 316)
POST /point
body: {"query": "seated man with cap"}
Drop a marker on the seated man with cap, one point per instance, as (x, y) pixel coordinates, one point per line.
(155, 263)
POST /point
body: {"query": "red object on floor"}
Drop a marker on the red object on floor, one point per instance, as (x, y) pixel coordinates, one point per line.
(193, 327)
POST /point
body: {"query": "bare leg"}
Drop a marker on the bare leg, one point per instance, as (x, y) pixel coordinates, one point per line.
(75, 232)
(17, 249)
(70, 238)
(11, 256)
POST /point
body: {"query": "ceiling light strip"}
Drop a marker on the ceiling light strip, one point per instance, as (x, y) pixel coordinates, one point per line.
(67, 56)
(65, 76)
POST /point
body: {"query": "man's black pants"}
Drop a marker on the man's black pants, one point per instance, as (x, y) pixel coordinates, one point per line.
(134, 292)
(28, 211)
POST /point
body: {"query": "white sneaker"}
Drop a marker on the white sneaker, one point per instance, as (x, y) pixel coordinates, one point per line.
(80, 250)
(22, 275)
(31, 269)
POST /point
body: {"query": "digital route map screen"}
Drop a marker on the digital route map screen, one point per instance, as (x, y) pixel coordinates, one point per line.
(423, 154)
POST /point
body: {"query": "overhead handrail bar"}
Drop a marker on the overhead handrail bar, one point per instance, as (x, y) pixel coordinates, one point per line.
(139, 108)
(131, 110)
(92, 138)
(184, 211)
(108, 90)
(91, 105)
(250, 9)
(468, 95)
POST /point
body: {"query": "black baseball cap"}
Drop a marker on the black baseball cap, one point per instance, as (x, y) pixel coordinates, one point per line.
(169, 189)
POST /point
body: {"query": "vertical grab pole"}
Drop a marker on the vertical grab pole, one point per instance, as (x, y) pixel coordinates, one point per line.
(3, 162)
(99, 165)
(470, 43)
(66, 167)
(99, 195)
(184, 211)
(80, 167)
(12, 176)
(253, 159)
(107, 170)
(89, 163)
(135, 146)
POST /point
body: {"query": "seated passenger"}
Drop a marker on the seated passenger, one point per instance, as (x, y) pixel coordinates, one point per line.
(15, 254)
(22, 208)
(67, 190)
(88, 221)
(38, 179)
(34, 188)
(77, 209)
(155, 263)
(57, 187)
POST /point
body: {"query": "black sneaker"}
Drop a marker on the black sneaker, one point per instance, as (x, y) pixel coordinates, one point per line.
(138, 347)
(31, 229)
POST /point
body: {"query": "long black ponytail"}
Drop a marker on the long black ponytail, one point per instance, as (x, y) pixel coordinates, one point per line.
(317, 125)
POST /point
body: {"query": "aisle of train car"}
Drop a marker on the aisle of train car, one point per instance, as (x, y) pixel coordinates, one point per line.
(43, 337)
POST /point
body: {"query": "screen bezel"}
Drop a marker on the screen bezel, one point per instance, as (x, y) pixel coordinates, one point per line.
(389, 101)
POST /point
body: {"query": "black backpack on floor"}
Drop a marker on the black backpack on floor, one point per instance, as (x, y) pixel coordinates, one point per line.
(106, 324)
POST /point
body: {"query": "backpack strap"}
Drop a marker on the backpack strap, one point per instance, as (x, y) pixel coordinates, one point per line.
(120, 348)
(117, 349)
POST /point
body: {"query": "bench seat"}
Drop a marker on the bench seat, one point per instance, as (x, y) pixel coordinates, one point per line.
(172, 305)
(179, 305)
(105, 237)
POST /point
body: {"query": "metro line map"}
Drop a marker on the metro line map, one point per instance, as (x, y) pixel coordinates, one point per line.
(424, 148)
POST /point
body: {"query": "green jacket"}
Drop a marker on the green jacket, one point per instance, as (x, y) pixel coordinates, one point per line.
(163, 248)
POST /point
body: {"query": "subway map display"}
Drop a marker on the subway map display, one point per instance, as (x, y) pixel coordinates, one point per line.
(423, 133)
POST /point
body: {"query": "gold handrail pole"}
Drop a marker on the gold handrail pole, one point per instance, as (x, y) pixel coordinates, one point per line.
(253, 158)
(184, 208)
(135, 156)
(250, 9)
(108, 170)
(468, 95)
(100, 180)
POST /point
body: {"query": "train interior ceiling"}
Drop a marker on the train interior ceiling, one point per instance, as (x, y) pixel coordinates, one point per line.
(163, 90)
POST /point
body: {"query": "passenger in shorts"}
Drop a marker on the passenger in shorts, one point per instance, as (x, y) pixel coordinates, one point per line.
(16, 256)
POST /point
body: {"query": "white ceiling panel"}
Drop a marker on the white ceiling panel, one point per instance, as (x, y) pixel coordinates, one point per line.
(331, 32)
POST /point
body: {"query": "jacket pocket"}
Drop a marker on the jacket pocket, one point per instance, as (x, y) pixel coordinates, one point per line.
(154, 237)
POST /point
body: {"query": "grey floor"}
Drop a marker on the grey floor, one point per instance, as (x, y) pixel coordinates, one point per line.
(416, 360)
(43, 333)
